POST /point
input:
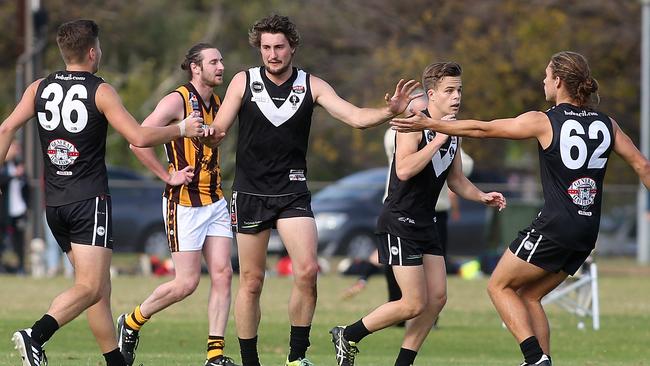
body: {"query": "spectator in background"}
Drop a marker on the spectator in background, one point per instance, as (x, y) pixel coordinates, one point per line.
(14, 204)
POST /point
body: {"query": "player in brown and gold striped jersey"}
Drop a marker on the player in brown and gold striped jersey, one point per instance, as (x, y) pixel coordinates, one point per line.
(195, 212)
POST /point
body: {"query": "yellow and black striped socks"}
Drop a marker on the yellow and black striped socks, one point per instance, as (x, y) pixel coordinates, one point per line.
(215, 346)
(135, 320)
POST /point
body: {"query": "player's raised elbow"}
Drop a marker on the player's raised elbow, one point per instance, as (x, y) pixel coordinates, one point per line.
(140, 140)
(134, 147)
(404, 173)
(642, 168)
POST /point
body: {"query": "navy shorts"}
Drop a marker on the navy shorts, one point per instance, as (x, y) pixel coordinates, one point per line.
(251, 214)
(85, 222)
(535, 248)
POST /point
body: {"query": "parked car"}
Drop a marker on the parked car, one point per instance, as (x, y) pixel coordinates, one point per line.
(346, 216)
(137, 212)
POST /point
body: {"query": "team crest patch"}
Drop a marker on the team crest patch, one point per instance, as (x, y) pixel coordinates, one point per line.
(583, 192)
(62, 153)
(528, 245)
(294, 100)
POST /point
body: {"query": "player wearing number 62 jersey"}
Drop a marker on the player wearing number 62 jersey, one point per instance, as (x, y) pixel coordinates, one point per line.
(73, 108)
(575, 142)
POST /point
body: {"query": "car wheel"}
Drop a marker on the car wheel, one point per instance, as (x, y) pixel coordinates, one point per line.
(360, 245)
(155, 242)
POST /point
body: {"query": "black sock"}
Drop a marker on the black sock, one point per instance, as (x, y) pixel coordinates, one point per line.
(406, 357)
(531, 349)
(114, 358)
(298, 342)
(44, 328)
(355, 332)
(248, 348)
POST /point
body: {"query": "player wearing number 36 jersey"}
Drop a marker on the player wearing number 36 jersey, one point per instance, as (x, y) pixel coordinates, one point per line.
(575, 142)
(73, 137)
(73, 108)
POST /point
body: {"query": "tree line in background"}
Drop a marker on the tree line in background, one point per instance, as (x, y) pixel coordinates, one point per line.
(362, 48)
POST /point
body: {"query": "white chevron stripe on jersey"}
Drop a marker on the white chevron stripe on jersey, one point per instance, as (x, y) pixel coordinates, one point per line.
(277, 116)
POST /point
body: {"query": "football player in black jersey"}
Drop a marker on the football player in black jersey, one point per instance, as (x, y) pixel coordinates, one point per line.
(409, 240)
(575, 141)
(274, 104)
(74, 108)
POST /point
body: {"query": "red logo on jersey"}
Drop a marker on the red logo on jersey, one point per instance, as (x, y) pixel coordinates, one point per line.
(62, 153)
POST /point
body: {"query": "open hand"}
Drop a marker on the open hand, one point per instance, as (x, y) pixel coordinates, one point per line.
(402, 96)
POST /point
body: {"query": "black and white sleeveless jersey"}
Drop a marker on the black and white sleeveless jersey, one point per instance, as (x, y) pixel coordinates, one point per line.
(73, 137)
(410, 206)
(274, 123)
(572, 171)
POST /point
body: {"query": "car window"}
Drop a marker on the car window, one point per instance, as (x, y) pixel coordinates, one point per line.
(365, 185)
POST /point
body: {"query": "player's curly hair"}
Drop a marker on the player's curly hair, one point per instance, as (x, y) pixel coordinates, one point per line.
(436, 71)
(274, 24)
(573, 69)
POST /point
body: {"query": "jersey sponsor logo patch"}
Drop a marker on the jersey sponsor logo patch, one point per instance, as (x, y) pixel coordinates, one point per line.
(406, 220)
(69, 77)
(257, 86)
(297, 175)
(262, 99)
(298, 89)
(583, 193)
(250, 224)
(62, 153)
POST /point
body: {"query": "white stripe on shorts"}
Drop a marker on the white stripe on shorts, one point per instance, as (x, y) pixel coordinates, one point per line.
(390, 257)
(235, 211)
(534, 248)
(523, 241)
(399, 248)
(95, 226)
(106, 224)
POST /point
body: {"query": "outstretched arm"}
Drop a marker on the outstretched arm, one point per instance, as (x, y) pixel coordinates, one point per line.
(624, 147)
(527, 125)
(168, 111)
(23, 112)
(228, 110)
(460, 185)
(110, 104)
(357, 117)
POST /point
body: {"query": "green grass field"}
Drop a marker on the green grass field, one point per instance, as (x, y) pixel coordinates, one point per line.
(470, 331)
